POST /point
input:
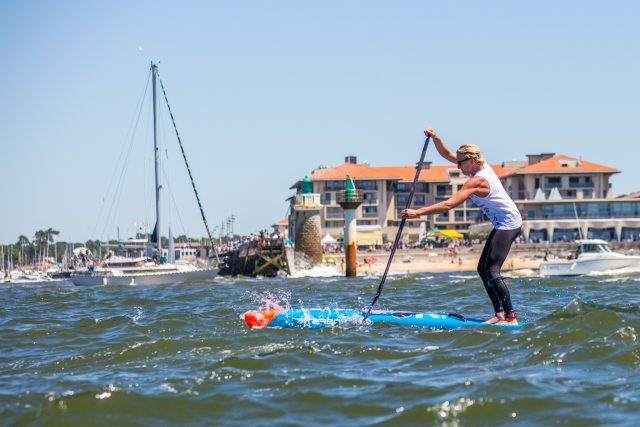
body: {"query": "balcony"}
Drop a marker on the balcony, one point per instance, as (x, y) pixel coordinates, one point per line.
(370, 214)
(334, 187)
(307, 200)
(334, 215)
(342, 196)
(367, 187)
(580, 184)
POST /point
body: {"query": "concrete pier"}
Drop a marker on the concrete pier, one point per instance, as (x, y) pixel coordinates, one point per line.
(350, 199)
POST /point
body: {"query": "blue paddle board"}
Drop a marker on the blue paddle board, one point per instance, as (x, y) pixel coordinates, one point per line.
(323, 317)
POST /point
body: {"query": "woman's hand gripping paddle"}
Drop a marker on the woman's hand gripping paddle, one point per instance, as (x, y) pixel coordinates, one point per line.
(397, 240)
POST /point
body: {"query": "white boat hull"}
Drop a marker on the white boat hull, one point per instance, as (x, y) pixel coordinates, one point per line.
(159, 278)
(588, 264)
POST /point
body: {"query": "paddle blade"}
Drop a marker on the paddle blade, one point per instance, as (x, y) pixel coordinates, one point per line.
(259, 319)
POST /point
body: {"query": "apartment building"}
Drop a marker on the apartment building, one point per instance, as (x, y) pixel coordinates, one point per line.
(542, 187)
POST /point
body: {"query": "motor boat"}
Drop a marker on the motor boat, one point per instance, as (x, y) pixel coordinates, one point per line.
(591, 255)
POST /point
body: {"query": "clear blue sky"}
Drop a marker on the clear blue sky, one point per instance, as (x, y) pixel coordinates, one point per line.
(263, 92)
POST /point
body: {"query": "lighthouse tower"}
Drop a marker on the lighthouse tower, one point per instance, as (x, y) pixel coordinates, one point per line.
(350, 199)
(307, 226)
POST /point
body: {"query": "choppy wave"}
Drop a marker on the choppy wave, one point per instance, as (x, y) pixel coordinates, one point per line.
(182, 355)
(615, 272)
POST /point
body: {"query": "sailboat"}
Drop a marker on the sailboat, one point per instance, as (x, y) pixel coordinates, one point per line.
(161, 270)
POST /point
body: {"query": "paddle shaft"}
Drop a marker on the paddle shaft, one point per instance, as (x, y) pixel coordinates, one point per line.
(399, 233)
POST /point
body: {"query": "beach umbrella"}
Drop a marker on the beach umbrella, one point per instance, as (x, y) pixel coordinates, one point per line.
(453, 234)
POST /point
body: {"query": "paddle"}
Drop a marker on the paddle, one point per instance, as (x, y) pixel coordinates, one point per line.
(399, 233)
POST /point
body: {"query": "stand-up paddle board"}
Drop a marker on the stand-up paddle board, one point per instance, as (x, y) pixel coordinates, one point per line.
(322, 317)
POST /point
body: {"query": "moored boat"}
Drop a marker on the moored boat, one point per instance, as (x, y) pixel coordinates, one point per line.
(590, 256)
(157, 269)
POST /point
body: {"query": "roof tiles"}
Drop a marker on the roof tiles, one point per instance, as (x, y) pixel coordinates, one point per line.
(555, 164)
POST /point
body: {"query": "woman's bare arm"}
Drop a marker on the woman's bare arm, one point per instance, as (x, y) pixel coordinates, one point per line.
(476, 185)
(442, 149)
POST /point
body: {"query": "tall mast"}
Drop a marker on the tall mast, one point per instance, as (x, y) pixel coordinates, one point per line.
(156, 151)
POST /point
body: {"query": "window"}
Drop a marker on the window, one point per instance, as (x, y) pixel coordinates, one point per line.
(444, 216)
(624, 209)
(334, 185)
(580, 182)
(367, 185)
(422, 187)
(419, 200)
(459, 215)
(369, 211)
(553, 181)
(402, 187)
(334, 212)
(474, 215)
(401, 199)
(369, 197)
(443, 190)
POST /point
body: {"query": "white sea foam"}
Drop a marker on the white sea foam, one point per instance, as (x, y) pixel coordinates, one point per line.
(615, 272)
(523, 272)
(322, 270)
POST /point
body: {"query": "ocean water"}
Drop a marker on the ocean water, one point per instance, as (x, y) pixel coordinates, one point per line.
(182, 355)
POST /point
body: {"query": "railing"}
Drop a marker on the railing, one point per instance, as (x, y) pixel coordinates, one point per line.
(336, 187)
(312, 199)
(585, 217)
(369, 214)
(368, 187)
(370, 202)
(581, 185)
(334, 215)
(355, 196)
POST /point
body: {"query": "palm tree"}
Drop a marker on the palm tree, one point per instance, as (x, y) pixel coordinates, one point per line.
(22, 241)
(49, 234)
(37, 242)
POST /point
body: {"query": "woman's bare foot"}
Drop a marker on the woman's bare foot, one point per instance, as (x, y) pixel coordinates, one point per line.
(512, 321)
(495, 319)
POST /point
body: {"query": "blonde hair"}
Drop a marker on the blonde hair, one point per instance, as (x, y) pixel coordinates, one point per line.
(472, 151)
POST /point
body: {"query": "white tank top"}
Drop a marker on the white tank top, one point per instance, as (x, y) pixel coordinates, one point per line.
(497, 206)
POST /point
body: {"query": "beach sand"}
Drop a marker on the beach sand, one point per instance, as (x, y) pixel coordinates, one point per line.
(425, 262)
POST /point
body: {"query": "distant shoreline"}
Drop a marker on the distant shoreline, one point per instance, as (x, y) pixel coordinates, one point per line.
(521, 257)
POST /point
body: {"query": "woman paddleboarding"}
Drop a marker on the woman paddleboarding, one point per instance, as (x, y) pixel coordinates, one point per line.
(485, 190)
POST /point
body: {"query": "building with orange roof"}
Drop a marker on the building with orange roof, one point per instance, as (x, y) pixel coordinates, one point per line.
(574, 178)
(282, 227)
(545, 188)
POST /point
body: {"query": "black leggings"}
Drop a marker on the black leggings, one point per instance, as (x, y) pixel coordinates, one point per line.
(493, 255)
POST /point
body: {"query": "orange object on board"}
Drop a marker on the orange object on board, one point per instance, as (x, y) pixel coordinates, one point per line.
(259, 319)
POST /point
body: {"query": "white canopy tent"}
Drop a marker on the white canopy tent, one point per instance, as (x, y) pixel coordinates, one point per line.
(328, 240)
